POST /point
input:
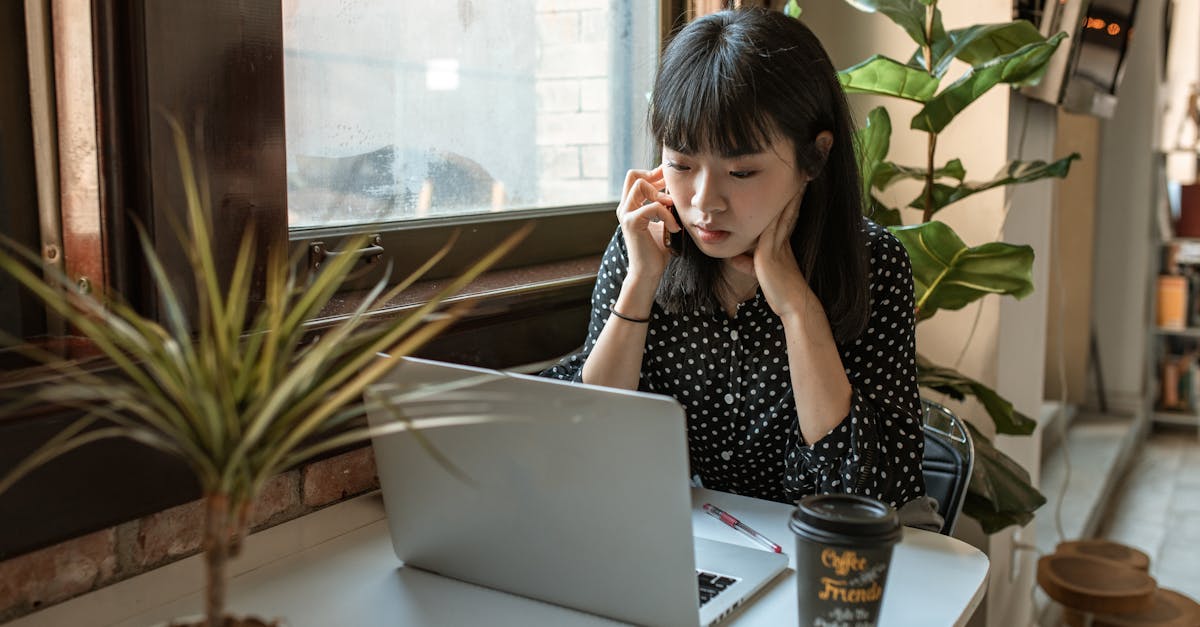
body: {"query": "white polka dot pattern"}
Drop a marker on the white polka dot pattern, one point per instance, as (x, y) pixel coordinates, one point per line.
(731, 375)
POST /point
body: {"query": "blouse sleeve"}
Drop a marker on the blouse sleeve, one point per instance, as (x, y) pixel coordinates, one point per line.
(609, 278)
(877, 449)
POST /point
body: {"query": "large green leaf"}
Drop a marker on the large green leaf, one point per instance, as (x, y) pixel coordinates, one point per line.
(886, 173)
(958, 386)
(979, 44)
(948, 274)
(1000, 492)
(907, 14)
(888, 77)
(1013, 173)
(871, 143)
(882, 214)
(1022, 66)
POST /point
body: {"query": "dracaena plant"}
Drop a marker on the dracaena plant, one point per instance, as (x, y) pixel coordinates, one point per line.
(241, 391)
(947, 273)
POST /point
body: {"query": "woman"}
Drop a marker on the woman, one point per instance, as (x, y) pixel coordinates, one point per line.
(782, 320)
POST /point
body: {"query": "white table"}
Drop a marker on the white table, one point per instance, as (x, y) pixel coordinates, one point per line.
(353, 578)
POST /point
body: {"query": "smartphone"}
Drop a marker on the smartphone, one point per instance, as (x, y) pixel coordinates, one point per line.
(674, 240)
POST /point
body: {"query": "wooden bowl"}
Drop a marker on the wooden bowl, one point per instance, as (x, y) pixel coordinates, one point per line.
(1095, 585)
(1168, 609)
(1108, 550)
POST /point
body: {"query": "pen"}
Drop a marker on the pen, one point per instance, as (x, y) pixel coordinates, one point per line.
(728, 519)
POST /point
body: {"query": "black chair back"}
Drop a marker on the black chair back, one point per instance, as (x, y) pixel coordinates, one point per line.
(949, 458)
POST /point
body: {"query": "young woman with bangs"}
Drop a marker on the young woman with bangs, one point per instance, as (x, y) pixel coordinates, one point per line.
(745, 282)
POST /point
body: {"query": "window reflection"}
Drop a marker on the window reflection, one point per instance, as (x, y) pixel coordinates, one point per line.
(400, 110)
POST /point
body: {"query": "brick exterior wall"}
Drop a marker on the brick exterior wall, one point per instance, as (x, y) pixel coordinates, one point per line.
(573, 115)
(54, 574)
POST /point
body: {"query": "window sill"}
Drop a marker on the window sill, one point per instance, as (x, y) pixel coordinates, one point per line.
(493, 293)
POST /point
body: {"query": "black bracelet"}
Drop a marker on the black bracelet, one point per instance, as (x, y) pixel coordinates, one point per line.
(624, 317)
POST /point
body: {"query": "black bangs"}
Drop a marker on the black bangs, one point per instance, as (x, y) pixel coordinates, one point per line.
(705, 100)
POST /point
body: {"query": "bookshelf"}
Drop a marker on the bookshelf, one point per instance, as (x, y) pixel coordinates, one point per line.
(1174, 337)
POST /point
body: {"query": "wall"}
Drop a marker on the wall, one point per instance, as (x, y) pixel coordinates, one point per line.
(985, 136)
(56, 573)
(1125, 197)
(1071, 280)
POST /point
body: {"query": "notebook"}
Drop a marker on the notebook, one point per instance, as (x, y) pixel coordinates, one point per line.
(575, 495)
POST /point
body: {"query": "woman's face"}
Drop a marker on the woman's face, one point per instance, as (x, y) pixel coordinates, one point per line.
(726, 201)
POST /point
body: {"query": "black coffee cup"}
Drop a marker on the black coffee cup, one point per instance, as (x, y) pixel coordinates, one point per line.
(843, 553)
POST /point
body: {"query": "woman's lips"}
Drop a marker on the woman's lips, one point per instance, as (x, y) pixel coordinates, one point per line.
(710, 236)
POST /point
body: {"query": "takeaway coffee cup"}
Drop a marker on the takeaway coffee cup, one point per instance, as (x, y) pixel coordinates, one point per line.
(843, 552)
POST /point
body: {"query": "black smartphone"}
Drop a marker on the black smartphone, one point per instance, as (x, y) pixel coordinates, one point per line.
(675, 240)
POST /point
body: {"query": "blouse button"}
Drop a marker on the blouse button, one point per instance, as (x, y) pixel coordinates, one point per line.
(729, 399)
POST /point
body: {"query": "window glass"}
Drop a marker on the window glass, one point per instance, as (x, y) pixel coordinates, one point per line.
(408, 109)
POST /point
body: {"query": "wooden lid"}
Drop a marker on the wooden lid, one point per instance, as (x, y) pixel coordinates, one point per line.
(1108, 550)
(1168, 609)
(1095, 585)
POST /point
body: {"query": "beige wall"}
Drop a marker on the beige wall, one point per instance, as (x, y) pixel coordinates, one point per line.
(1123, 224)
(985, 137)
(1070, 282)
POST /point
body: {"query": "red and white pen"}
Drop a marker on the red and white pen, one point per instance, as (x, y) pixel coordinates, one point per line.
(738, 525)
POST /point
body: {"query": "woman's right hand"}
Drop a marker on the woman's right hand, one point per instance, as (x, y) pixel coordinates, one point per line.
(644, 213)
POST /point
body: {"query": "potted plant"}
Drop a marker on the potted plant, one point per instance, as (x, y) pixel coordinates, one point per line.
(948, 274)
(239, 392)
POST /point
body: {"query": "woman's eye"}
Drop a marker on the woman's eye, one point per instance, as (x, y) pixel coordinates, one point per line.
(678, 167)
(741, 174)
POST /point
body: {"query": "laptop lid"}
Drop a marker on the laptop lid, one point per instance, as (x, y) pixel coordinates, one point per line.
(583, 500)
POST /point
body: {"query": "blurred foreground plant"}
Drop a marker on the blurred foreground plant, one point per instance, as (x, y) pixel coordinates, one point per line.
(241, 391)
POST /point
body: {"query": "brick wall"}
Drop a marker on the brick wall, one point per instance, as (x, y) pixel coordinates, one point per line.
(54, 574)
(573, 100)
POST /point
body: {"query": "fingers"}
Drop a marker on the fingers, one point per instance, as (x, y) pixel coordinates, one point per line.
(779, 232)
(645, 191)
(659, 211)
(633, 177)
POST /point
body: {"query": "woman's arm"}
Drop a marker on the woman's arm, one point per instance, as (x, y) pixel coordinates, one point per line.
(876, 449)
(819, 383)
(628, 279)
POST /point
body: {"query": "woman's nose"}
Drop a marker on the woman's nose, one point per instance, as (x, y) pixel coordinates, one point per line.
(707, 196)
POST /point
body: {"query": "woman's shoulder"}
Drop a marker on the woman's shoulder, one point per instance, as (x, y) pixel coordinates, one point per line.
(882, 244)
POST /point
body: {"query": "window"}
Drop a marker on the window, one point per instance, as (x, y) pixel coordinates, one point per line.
(405, 110)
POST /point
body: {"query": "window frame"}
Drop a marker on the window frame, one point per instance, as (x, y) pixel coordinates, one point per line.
(152, 55)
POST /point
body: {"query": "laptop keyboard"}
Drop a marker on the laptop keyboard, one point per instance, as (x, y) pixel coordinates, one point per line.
(711, 584)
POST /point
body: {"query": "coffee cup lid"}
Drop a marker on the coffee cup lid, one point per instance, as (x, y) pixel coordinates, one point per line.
(846, 518)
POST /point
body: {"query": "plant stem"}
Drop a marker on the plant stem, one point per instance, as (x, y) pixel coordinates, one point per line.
(929, 178)
(927, 48)
(216, 557)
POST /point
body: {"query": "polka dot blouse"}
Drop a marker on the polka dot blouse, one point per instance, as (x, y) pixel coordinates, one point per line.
(731, 375)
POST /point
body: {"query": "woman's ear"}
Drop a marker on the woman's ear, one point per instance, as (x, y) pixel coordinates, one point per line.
(824, 143)
(818, 154)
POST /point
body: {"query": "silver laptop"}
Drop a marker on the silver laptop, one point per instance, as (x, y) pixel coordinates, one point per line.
(577, 495)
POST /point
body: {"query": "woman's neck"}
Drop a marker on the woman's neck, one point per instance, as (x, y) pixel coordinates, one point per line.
(736, 288)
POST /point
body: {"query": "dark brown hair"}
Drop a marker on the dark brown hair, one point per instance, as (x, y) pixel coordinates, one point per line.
(726, 83)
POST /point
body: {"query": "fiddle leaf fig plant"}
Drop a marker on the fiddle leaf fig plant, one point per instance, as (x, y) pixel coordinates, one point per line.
(948, 273)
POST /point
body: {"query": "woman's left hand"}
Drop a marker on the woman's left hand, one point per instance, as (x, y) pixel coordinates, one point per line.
(774, 265)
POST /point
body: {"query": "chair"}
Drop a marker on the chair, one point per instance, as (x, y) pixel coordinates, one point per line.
(949, 459)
